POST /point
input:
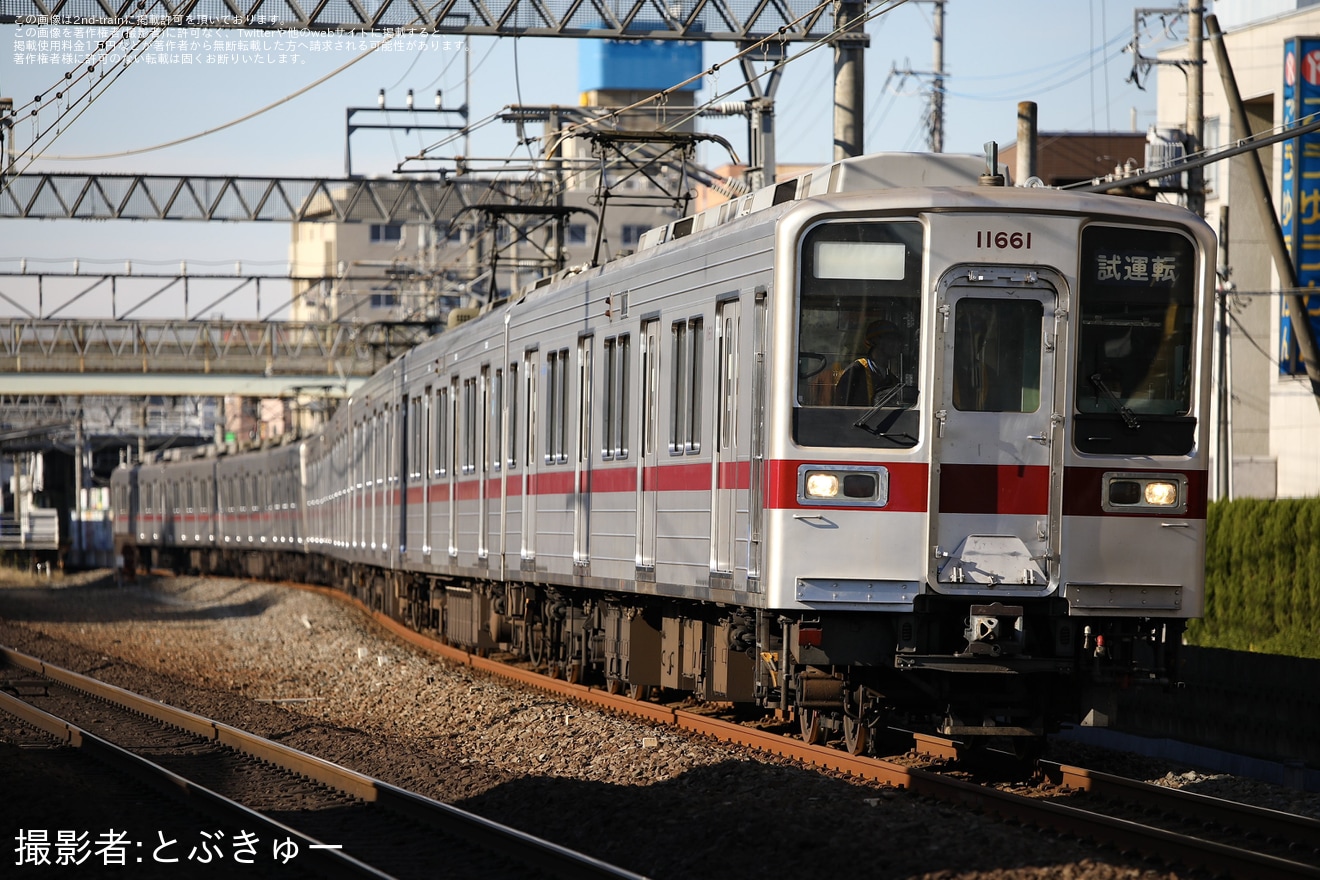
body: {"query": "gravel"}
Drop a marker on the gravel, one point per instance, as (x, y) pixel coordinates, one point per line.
(304, 670)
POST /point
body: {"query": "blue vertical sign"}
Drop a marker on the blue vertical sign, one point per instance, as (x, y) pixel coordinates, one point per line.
(1299, 214)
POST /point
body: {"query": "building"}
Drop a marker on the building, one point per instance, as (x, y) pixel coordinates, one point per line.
(384, 272)
(1065, 158)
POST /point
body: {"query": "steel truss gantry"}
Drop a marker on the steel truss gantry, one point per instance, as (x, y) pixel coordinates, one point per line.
(299, 200)
(706, 20)
(196, 358)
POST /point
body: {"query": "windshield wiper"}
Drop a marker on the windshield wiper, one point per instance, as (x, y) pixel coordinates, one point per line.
(1129, 418)
(886, 399)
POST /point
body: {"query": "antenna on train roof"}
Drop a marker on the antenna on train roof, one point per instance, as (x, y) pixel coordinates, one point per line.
(992, 177)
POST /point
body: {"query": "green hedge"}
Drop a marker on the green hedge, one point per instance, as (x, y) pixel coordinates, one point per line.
(1262, 578)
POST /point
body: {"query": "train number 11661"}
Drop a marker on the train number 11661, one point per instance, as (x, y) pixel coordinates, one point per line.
(1003, 240)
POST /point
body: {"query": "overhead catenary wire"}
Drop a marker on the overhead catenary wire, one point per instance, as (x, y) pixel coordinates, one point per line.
(83, 101)
(233, 122)
(658, 98)
(553, 140)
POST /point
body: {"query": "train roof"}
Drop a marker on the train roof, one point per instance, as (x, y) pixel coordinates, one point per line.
(878, 171)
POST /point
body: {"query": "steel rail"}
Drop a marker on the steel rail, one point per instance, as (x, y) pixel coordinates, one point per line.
(527, 848)
(1170, 847)
(1210, 811)
(330, 861)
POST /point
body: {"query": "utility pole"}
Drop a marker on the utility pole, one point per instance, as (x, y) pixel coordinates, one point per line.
(850, 42)
(1195, 104)
(937, 84)
(935, 121)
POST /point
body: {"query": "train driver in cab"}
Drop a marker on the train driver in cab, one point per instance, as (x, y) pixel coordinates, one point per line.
(866, 380)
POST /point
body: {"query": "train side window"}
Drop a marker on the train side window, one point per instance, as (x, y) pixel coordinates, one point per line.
(469, 426)
(584, 399)
(556, 419)
(426, 452)
(650, 367)
(513, 416)
(727, 381)
(622, 384)
(530, 377)
(440, 433)
(495, 423)
(614, 442)
(415, 428)
(685, 387)
(389, 468)
(608, 354)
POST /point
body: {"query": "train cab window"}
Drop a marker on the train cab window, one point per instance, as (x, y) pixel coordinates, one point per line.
(996, 355)
(1134, 358)
(859, 332)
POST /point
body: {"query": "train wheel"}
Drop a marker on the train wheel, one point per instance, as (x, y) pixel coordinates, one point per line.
(856, 737)
(536, 643)
(809, 723)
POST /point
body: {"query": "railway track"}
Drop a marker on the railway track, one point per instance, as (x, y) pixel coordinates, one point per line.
(275, 800)
(1273, 833)
(1104, 809)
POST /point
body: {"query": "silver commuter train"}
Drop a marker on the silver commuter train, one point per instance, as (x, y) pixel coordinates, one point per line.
(863, 452)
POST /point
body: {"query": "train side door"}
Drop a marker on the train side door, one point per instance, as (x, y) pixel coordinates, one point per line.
(725, 484)
(648, 415)
(994, 499)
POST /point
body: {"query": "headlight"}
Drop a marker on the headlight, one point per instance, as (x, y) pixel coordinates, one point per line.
(851, 485)
(1144, 493)
(821, 485)
(1161, 494)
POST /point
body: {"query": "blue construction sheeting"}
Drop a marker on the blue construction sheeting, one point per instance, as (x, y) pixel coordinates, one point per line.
(639, 65)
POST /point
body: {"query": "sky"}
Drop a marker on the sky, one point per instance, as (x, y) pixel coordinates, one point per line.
(1072, 65)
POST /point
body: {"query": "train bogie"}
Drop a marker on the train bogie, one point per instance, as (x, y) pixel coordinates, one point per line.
(839, 450)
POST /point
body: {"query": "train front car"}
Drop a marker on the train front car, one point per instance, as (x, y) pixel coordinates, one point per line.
(985, 495)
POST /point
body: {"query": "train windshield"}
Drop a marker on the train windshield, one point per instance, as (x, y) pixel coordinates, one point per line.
(859, 330)
(1134, 348)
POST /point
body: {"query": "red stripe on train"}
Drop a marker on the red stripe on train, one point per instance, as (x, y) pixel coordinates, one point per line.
(995, 489)
(909, 484)
(1083, 491)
